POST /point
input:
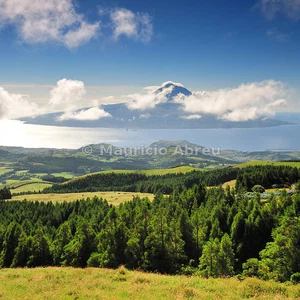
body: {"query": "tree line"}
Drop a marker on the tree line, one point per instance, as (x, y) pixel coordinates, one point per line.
(266, 176)
(208, 232)
(246, 179)
(138, 182)
(5, 194)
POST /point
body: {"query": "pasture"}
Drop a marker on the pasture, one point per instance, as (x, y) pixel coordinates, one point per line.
(114, 198)
(91, 283)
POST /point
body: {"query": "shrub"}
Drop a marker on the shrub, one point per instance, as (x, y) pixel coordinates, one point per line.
(251, 267)
(258, 189)
(295, 278)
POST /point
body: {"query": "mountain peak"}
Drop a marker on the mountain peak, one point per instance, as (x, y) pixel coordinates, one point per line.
(176, 88)
(171, 83)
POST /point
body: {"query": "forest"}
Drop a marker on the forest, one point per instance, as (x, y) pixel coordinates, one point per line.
(136, 182)
(211, 232)
(266, 176)
(246, 179)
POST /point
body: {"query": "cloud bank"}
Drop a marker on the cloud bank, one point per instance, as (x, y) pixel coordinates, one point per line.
(13, 106)
(148, 100)
(246, 102)
(91, 114)
(67, 96)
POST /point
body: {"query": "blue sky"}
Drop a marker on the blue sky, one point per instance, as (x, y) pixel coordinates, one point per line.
(204, 44)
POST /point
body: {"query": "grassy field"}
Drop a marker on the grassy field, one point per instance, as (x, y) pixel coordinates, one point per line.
(31, 187)
(230, 183)
(181, 169)
(266, 163)
(64, 174)
(112, 197)
(33, 184)
(92, 283)
(4, 170)
(16, 183)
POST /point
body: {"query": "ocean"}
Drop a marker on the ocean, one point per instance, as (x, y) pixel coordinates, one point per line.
(15, 133)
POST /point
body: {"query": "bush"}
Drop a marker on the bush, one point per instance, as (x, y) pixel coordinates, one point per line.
(251, 267)
(5, 194)
(295, 278)
(258, 189)
(93, 261)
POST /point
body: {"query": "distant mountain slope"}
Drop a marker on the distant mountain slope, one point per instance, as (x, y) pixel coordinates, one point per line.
(165, 115)
(228, 155)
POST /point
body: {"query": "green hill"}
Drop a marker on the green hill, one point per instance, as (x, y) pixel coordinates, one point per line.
(175, 170)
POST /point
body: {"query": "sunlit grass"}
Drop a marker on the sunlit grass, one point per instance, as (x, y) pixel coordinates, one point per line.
(92, 283)
(4, 170)
(230, 183)
(112, 197)
(63, 174)
(31, 187)
(176, 170)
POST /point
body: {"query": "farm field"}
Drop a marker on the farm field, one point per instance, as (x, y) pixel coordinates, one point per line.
(14, 184)
(23, 181)
(93, 283)
(112, 197)
(31, 187)
(4, 170)
(181, 169)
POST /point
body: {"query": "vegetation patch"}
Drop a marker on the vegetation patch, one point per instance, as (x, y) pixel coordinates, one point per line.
(92, 283)
(112, 197)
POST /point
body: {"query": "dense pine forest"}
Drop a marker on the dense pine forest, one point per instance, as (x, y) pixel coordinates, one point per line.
(193, 230)
(136, 182)
(246, 178)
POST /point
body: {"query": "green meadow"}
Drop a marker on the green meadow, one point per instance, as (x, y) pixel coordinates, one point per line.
(114, 198)
(93, 283)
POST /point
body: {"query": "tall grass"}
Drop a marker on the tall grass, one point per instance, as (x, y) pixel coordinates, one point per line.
(91, 283)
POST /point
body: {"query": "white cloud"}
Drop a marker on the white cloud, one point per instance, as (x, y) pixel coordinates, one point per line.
(67, 94)
(246, 102)
(108, 99)
(40, 21)
(145, 116)
(91, 114)
(151, 89)
(148, 100)
(133, 25)
(13, 106)
(289, 8)
(80, 36)
(171, 82)
(191, 117)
